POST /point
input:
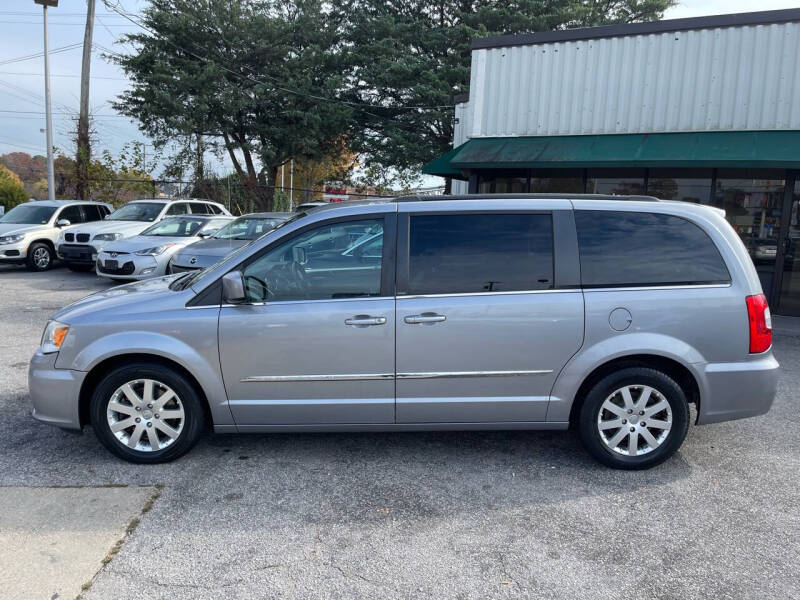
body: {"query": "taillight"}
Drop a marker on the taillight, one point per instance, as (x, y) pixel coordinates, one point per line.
(760, 324)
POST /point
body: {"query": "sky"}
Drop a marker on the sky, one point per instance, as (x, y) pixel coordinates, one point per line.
(22, 81)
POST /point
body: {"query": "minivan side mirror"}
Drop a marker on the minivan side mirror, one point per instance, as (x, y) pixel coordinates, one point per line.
(233, 288)
(63, 223)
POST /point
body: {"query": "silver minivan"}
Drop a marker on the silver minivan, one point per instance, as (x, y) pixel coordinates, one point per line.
(608, 314)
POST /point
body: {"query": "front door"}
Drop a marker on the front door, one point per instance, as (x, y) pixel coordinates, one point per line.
(315, 344)
(789, 250)
(482, 333)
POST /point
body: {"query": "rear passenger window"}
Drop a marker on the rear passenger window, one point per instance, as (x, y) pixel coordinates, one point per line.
(640, 249)
(92, 212)
(198, 208)
(454, 254)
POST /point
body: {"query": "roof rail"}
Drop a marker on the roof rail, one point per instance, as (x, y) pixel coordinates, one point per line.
(526, 197)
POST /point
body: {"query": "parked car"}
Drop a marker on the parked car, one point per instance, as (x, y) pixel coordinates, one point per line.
(79, 246)
(147, 255)
(28, 232)
(608, 314)
(206, 252)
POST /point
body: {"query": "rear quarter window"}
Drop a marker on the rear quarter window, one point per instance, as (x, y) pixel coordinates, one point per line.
(620, 248)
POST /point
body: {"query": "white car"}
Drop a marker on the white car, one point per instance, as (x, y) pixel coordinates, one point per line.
(79, 246)
(147, 255)
(28, 232)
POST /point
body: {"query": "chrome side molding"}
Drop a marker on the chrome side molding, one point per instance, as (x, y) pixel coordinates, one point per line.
(384, 376)
(451, 374)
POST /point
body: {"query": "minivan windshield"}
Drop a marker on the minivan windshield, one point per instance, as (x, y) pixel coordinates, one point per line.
(29, 214)
(137, 211)
(181, 283)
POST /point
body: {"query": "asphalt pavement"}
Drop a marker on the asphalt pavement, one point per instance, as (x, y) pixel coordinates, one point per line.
(422, 515)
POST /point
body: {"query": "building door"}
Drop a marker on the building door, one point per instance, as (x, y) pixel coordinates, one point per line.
(787, 285)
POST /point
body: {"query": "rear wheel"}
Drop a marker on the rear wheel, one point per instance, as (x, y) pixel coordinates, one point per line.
(80, 267)
(635, 418)
(147, 413)
(40, 257)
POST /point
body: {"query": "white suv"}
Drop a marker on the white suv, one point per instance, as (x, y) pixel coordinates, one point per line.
(78, 246)
(28, 232)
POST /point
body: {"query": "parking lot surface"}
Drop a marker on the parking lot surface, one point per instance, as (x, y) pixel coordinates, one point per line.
(438, 515)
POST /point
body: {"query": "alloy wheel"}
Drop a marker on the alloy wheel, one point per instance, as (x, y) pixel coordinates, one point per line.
(145, 415)
(41, 257)
(634, 420)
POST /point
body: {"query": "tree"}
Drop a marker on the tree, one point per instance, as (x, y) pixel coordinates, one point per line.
(12, 192)
(416, 53)
(257, 77)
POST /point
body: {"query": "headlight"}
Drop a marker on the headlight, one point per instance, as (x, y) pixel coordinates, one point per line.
(54, 335)
(155, 250)
(107, 237)
(12, 239)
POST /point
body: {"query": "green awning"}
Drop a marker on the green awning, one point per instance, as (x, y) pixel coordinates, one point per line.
(776, 149)
(441, 166)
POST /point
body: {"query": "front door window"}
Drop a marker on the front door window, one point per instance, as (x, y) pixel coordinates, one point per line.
(340, 260)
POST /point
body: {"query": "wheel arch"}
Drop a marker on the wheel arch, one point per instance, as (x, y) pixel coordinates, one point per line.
(102, 368)
(669, 366)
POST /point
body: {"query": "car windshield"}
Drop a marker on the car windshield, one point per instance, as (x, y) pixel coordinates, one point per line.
(29, 214)
(182, 227)
(185, 281)
(137, 211)
(247, 228)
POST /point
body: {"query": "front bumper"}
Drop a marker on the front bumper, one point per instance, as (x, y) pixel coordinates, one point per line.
(55, 393)
(738, 390)
(13, 253)
(128, 266)
(82, 254)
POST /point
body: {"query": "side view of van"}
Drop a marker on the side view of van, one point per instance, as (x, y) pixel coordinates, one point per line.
(611, 315)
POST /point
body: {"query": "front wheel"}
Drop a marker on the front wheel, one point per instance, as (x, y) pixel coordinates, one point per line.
(147, 413)
(40, 257)
(635, 418)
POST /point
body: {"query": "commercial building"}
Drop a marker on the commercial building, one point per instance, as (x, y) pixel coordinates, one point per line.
(702, 110)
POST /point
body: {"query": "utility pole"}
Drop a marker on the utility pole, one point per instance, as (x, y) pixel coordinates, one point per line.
(51, 185)
(291, 185)
(84, 151)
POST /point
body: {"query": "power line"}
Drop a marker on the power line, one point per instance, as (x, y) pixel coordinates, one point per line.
(41, 54)
(54, 75)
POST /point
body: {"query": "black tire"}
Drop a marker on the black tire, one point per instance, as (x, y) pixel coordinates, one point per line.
(665, 386)
(80, 268)
(194, 418)
(40, 257)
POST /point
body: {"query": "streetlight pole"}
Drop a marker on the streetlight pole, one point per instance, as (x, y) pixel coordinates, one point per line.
(51, 186)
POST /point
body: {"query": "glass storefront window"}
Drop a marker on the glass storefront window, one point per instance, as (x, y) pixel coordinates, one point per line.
(688, 185)
(622, 182)
(514, 184)
(557, 181)
(752, 200)
(790, 286)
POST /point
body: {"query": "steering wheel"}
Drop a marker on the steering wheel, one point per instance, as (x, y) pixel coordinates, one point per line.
(289, 278)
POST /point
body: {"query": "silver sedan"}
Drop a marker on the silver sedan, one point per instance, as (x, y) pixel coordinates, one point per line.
(148, 254)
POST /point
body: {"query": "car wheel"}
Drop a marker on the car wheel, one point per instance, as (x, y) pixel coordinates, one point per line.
(40, 257)
(635, 418)
(80, 268)
(147, 413)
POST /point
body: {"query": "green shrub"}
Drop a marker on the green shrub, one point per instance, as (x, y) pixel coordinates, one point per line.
(12, 191)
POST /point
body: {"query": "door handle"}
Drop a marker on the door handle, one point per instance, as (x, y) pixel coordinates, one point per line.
(425, 318)
(364, 321)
